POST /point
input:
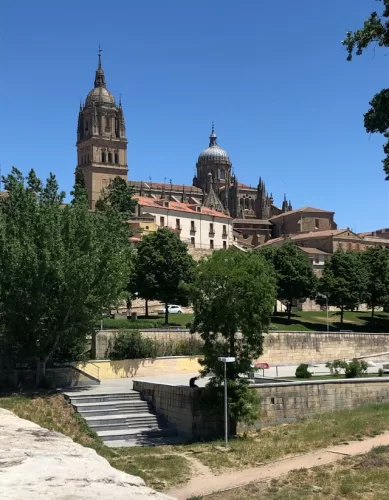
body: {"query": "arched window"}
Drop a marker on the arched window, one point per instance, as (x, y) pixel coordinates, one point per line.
(86, 126)
(247, 203)
(117, 158)
(109, 157)
(222, 174)
(252, 204)
(103, 157)
(242, 202)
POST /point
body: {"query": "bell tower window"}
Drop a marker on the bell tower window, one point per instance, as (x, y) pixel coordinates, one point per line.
(86, 126)
(103, 157)
(109, 157)
(117, 158)
(222, 174)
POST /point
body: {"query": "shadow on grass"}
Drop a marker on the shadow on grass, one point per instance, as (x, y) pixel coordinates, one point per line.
(363, 324)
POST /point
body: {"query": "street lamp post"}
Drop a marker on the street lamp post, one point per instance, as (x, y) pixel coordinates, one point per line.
(226, 360)
(325, 297)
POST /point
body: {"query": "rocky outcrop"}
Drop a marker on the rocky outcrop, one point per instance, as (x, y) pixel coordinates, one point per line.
(37, 463)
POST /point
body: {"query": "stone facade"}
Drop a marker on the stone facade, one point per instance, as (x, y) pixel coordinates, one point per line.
(302, 220)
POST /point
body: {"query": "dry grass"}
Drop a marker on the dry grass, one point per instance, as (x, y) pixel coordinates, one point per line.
(359, 478)
(303, 436)
(158, 466)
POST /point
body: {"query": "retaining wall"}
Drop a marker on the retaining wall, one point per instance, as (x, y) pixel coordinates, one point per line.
(280, 402)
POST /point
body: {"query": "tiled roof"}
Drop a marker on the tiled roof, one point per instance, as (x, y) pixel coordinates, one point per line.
(166, 186)
(304, 209)
(319, 234)
(143, 201)
(273, 241)
(313, 251)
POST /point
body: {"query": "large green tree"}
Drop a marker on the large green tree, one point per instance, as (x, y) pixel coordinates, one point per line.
(119, 195)
(295, 277)
(60, 268)
(376, 262)
(164, 268)
(233, 292)
(344, 280)
(375, 33)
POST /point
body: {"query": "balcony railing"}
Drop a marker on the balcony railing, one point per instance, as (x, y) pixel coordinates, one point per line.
(212, 233)
(224, 234)
(193, 230)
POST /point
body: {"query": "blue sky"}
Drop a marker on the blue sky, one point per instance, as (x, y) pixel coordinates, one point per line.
(272, 75)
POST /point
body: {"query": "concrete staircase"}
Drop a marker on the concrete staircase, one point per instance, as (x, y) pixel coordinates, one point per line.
(123, 419)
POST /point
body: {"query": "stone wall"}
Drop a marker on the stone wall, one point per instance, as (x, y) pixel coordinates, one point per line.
(287, 347)
(289, 401)
(280, 402)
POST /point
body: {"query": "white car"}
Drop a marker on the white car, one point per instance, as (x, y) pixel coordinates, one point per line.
(171, 309)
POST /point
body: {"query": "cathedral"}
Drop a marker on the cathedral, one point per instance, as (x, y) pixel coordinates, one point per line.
(102, 155)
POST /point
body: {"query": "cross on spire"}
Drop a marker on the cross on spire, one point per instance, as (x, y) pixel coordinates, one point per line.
(99, 52)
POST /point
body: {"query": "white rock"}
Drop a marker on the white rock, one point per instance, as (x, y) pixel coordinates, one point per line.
(36, 463)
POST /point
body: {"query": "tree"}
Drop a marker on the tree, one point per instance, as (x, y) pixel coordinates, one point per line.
(164, 268)
(233, 292)
(376, 262)
(60, 267)
(120, 196)
(344, 280)
(375, 32)
(295, 277)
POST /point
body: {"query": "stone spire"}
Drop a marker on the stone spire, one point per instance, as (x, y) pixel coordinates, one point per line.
(213, 137)
(285, 205)
(211, 200)
(100, 77)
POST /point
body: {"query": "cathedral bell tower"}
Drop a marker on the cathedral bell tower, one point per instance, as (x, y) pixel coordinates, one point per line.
(101, 138)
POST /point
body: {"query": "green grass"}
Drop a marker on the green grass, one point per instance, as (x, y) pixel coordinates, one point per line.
(317, 321)
(179, 320)
(167, 466)
(364, 477)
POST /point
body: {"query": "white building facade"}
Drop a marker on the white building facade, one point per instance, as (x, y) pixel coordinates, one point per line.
(199, 227)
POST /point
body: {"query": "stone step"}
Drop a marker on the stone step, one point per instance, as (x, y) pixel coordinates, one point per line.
(142, 424)
(142, 440)
(109, 405)
(118, 418)
(105, 398)
(113, 411)
(137, 433)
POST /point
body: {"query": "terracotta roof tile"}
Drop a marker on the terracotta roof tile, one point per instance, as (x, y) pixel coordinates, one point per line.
(179, 207)
(313, 251)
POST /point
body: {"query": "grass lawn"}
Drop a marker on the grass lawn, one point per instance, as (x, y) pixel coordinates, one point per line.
(156, 321)
(364, 477)
(317, 320)
(166, 466)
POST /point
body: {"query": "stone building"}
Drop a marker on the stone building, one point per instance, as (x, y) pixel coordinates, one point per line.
(101, 138)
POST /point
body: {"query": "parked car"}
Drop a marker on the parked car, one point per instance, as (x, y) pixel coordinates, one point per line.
(171, 309)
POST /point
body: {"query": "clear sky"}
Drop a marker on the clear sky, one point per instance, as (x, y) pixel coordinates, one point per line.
(272, 75)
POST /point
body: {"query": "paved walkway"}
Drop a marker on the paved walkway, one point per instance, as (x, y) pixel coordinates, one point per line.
(205, 483)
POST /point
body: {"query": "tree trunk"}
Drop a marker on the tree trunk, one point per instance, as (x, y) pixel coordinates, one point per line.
(147, 308)
(93, 345)
(341, 314)
(166, 314)
(40, 372)
(372, 312)
(289, 310)
(233, 426)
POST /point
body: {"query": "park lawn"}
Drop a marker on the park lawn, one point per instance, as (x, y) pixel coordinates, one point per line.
(155, 321)
(165, 466)
(364, 477)
(317, 321)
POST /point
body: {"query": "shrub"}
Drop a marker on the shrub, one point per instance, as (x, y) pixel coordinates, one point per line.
(335, 366)
(302, 371)
(130, 344)
(380, 372)
(355, 368)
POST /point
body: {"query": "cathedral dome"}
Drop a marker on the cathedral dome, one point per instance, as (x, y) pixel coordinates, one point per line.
(214, 152)
(99, 95)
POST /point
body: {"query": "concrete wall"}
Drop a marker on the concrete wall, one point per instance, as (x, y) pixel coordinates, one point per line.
(280, 402)
(129, 368)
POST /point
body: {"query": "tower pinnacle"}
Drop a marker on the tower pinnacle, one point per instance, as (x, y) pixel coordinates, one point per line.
(213, 136)
(100, 77)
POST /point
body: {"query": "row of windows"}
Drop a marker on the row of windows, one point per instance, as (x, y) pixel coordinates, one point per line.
(211, 243)
(109, 157)
(192, 226)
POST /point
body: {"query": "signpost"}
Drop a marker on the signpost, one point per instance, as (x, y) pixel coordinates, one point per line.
(226, 360)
